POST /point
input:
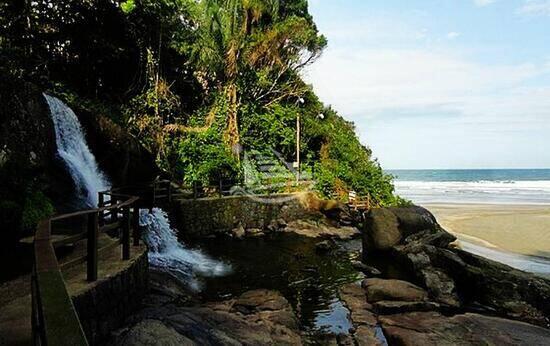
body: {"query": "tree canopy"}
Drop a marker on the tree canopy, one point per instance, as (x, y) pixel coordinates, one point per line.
(195, 81)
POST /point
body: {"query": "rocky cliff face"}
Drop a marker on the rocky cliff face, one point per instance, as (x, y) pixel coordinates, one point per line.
(456, 280)
(34, 180)
(27, 156)
(120, 155)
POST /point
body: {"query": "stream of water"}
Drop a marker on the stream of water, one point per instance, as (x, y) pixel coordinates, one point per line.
(166, 253)
(73, 149)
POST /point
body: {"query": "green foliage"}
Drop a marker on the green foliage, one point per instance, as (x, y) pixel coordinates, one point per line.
(201, 156)
(128, 6)
(180, 73)
(36, 207)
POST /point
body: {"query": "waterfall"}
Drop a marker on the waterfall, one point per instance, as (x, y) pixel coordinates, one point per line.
(72, 148)
(167, 254)
(165, 251)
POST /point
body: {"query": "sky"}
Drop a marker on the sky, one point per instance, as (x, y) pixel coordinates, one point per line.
(440, 83)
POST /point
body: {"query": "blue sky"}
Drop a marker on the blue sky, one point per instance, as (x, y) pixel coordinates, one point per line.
(440, 84)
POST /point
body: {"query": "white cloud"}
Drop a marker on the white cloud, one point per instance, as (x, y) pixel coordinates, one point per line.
(428, 103)
(482, 3)
(535, 8)
(369, 82)
(452, 35)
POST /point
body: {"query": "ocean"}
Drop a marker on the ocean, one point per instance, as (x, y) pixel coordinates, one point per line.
(484, 186)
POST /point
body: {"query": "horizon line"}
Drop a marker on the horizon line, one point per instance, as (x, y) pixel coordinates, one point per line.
(462, 169)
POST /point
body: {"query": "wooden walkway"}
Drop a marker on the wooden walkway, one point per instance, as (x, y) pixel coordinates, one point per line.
(15, 295)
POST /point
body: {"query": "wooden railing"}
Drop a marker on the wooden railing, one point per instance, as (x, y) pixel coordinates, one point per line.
(54, 319)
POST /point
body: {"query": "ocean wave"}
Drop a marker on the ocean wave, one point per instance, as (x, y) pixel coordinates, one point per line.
(482, 191)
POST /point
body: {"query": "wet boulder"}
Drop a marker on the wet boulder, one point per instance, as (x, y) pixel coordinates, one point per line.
(433, 328)
(382, 289)
(387, 227)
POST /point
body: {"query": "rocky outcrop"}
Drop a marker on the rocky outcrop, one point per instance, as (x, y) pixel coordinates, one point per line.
(432, 328)
(361, 313)
(388, 227)
(408, 319)
(29, 170)
(455, 279)
(152, 333)
(119, 154)
(258, 317)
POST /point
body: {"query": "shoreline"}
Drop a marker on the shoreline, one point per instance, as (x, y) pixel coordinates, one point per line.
(521, 229)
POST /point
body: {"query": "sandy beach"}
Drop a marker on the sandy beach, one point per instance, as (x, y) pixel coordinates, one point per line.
(521, 229)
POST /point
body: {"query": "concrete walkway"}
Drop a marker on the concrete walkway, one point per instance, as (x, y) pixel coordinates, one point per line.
(15, 295)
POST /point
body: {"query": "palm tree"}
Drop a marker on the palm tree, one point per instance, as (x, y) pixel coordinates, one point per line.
(224, 29)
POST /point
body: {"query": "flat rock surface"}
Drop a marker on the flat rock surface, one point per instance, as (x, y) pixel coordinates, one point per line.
(382, 289)
(259, 317)
(432, 328)
(322, 230)
(364, 320)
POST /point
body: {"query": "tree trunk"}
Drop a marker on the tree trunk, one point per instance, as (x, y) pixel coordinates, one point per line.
(231, 135)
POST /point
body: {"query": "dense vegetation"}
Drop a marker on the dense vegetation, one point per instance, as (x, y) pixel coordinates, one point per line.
(195, 81)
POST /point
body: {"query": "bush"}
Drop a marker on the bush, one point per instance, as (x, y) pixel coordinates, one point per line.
(36, 207)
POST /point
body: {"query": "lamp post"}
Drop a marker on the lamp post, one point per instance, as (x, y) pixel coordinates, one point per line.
(300, 101)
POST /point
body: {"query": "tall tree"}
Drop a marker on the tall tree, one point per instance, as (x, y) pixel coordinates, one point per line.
(237, 38)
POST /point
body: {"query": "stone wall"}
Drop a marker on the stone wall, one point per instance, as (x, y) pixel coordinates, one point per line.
(105, 306)
(213, 216)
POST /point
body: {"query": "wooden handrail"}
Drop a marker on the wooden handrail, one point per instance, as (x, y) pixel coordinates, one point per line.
(54, 318)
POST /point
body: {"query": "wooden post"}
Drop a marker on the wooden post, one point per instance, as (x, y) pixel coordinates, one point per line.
(126, 233)
(101, 204)
(135, 226)
(169, 191)
(114, 211)
(195, 192)
(93, 229)
(221, 187)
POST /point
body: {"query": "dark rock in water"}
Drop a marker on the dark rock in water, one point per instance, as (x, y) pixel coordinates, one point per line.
(254, 232)
(323, 246)
(381, 289)
(361, 314)
(259, 300)
(366, 269)
(432, 328)
(388, 307)
(281, 223)
(238, 232)
(150, 333)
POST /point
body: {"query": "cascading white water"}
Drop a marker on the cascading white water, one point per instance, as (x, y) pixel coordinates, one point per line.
(166, 253)
(72, 148)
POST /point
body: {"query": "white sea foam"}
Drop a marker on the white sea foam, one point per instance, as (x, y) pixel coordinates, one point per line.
(537, 265)
(167, 254)
(505, 192)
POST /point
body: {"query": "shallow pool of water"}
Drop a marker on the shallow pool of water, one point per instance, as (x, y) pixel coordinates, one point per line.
(290, 264)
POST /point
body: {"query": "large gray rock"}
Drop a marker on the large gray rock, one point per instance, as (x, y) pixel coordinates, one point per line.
(151, 333)
(381, 230)
(259, 317)
(432, 328)
(381, 289)
(388, 227)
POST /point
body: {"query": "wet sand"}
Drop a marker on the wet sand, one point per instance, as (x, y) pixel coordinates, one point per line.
(520, 229)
